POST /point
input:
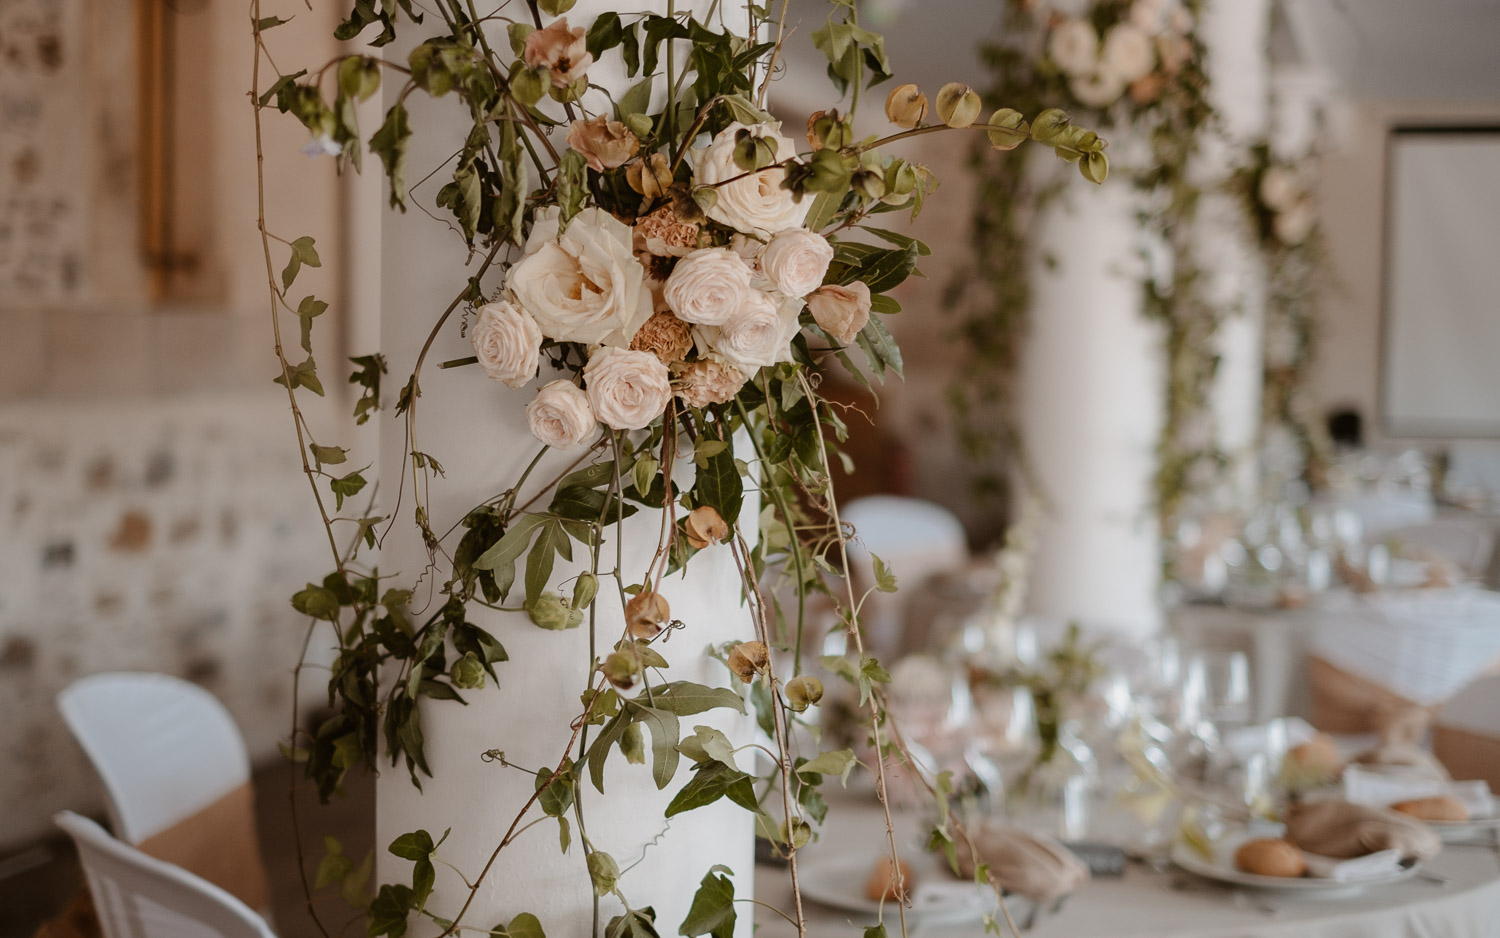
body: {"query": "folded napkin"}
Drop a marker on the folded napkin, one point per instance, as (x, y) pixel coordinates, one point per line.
(1339, 829)
(1028, 864)
(1413, 759)
(1271, 738)
(950, 894)
(1364, 786)
(1376, 865)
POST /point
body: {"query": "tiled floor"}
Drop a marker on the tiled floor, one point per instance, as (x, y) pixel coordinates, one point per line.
(39, 880)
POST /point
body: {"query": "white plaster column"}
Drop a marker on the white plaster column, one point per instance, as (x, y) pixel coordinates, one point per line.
(1091, 408)
(1235, 34)
(476, 428)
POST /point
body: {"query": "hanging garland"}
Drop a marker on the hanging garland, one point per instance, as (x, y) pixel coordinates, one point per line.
(1278, 198)
(1138, 66)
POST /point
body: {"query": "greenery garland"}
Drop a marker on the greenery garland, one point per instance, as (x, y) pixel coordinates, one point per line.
(677, 295)
(1278, 198)
(1134, 65)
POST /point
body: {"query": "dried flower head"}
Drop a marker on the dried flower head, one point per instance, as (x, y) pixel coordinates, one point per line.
(665, 336)
(906, 106)
(646, 614)
(664, 234)
(704, 526)
(709, 382)
(748, 659)
(803, 691)
(605, 144)
(650, 176)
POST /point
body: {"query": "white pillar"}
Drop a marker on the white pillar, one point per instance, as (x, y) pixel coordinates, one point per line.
(1091, 408)
(476, 428)
(1235, 34)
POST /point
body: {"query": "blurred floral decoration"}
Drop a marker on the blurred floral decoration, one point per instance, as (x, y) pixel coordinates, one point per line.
(1137, 66)
(1278, 196)
(678, 270)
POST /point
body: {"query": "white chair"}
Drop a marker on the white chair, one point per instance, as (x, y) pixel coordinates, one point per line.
(915, 539)
(164, 748)
(138, 896)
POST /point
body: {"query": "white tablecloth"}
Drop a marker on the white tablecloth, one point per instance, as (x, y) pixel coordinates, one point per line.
(1140, 906)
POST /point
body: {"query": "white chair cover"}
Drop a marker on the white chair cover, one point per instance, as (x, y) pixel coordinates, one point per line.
(165, 749)
(137, 896)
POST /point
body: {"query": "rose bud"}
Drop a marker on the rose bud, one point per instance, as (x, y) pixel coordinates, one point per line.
(748, 659)
(958, 105)
(841, 311)
(646, 614)
(604, 143)
(620, 669)
(906, 106)
(803, 692)
(704, 526)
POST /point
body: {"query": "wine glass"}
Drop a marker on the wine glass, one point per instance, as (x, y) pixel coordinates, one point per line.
(1217, 688)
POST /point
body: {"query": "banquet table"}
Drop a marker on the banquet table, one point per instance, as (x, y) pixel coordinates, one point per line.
(1141, 903)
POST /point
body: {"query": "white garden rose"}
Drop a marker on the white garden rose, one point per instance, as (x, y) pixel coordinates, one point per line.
(760, 333)
(756, 203)
(796, 261)
(1279, 188)
(627, 389)
(559, 416)
(1149, 16)
(1128, 52)
(1295, 224)
(584, 285)
(708, 287)
(1074, 47)
(1099, 89)
(841, 311)
(507, 342)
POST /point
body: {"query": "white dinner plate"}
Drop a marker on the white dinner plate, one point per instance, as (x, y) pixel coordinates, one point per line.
(838, 881)
(1452, 831)
(1222, 868)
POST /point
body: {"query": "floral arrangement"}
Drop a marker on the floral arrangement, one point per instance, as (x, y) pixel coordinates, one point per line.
(1137, 65)
(1279, 199)
(677, 271)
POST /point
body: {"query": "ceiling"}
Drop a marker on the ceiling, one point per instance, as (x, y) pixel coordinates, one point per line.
(1377, 50)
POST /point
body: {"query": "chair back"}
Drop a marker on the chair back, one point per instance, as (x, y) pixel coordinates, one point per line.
(138, 896)
(164, 748)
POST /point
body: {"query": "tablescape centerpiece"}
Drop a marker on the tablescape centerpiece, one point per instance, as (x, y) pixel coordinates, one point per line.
(663, 272)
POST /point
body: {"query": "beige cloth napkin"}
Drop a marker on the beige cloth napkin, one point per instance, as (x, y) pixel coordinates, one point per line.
(1338, 829)
(1031, 865)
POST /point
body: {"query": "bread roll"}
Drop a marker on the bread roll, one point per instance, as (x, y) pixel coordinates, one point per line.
(1268, 857)
(1437, 808)
(882, 885)
(1318, 755)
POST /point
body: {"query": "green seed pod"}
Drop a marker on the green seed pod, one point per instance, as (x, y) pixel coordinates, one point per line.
(550, 611)
(958, 105)
(584, 590)
(803, 692)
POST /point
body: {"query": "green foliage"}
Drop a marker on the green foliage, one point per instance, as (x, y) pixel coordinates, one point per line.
(712, 912)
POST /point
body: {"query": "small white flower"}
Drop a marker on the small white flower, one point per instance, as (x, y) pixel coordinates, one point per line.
(321, 145)
(1074, 47)
(796, 261)
(507, 342)
(559, 416)
(1128, 52)
(627, 389)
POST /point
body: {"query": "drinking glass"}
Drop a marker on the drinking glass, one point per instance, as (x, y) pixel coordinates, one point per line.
(1217, 687)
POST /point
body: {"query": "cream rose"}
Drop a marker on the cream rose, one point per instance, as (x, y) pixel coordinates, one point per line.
(1128, 52)
(584, 285)
(1074, 47)
(1279, 188)
(627, 389)
(1100, 89)
(708, 287)
(841, 311)
(604, 144)
(756, 203)
(759, 334)
(560, 416)
(1295, 224)
(796, 261)
(506, 341)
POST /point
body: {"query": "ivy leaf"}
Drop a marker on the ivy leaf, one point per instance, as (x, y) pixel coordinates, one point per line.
(719, 485)
(838, 762)
(605, 33)
(524, 925)
(346, 487)
(317, 602)
(685, 698)
(708, 743)
(885, 580)
(664, 737)
(390, 144)
(416, 845)
(875, 931)
(304, 251)
(278, 86)
(269, 22)
(635, 923)
(712, 912)
(304, 375)
(558, 796)
(328, 455)
(388, 911)
(710, 782)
